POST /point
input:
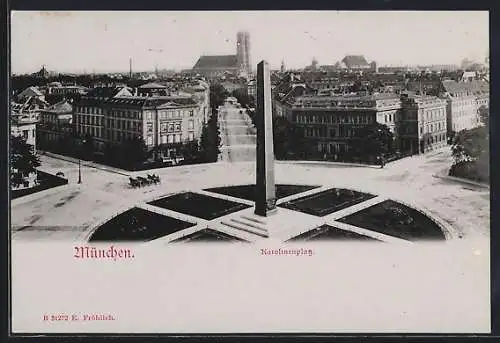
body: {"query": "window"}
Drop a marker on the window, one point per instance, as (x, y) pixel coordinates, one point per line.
(191, 113)
(191, 136)
(163, 127)
(150, 127)
(149, 140)
(190, 124)
(25, 134)
(170, 127)
(170, 138)
(149, 116)
(178, 126)
(164, 139)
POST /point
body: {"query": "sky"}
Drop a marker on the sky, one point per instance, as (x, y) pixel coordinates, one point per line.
(104, 41)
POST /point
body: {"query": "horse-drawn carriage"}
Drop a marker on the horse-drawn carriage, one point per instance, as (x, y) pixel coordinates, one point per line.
(140, 181)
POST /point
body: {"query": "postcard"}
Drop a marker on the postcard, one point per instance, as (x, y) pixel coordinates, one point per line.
(313, 172)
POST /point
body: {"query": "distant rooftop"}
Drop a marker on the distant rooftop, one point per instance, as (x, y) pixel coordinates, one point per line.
(152, 85)
(218, 61)
(355, 60)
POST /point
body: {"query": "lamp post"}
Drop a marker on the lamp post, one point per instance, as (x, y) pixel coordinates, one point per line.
(80, 165)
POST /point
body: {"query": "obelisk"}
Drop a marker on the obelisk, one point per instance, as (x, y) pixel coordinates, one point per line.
(265, 201)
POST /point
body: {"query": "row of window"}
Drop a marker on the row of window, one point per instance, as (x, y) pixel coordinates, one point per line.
(436, 139)
(90, 120)
(435, 114)
(433, 127)
(175, 114)
(462, 113)
(465, 124)
(89, 130)
(334, 119)
(124, 124)
(331, 132)
(135, 114)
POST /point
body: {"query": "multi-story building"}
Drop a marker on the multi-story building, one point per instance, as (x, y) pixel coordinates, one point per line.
(422, 124)
(160, 121)
(66, 90)
(56, 124)
(331, 123)
(25, 125)
(30, 106)
(462, 105)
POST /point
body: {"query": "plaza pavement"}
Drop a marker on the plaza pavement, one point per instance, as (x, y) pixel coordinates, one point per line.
(70, 212)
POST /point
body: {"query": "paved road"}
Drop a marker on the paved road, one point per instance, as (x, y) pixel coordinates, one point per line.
(237, 135)
(103, 192)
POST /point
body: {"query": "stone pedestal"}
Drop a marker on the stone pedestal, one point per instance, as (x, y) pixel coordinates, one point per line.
(265, 203)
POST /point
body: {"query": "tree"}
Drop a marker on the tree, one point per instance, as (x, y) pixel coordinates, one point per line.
(217, 96)
(484, 115)
(282, 136)
(471, 154)
(375, 140)
(469, 145)
(210, 141)
(23, 160)
(87, 147)
(243, 98)
(134, 151)
(190, 151)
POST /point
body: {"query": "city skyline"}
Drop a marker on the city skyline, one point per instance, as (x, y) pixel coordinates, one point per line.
(79, 41)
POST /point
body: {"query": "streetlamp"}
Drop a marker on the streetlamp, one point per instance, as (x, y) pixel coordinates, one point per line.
(80, 165)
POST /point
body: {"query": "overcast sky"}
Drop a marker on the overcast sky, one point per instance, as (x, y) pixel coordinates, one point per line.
(104, 41)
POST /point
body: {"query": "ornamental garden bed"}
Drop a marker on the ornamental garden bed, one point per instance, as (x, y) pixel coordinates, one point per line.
(327, 202)
(207, 235)
(328, 233)
(394, 219)
(198, 205)
(138, 224)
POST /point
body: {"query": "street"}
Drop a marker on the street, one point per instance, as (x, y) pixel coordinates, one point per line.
(237, 137)
(70, 210)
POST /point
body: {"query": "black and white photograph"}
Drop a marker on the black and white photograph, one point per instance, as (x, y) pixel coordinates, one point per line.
(249, 171)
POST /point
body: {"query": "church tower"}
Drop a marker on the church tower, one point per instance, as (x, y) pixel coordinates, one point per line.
(243, 51)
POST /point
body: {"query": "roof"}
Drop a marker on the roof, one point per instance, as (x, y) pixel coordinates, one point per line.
(219, 61)
(32, 89)
(474, 87)
(152, 85)
(104, 92)
(60, 107)
(139, 102)
(355, 60)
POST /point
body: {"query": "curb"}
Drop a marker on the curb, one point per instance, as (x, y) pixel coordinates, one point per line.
(86, 163)
(41, 194)
(462, 180)
(325, 163)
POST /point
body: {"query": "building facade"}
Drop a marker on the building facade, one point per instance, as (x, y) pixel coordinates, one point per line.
(330, 124)
(165, 122)
(422, 126)
(462, 110)
(55, 126)
(25, 126)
